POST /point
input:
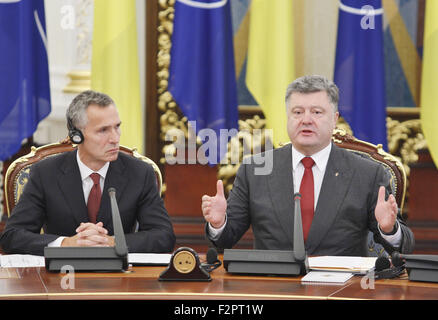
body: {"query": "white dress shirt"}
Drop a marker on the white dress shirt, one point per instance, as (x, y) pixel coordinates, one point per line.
(321, 159)
(87, 184)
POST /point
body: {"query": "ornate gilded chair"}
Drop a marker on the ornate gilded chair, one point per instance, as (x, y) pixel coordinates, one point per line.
(391, 164)
(18, 172)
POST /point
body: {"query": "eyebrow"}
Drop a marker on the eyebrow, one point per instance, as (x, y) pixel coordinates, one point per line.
(312, 106)
(109, 126)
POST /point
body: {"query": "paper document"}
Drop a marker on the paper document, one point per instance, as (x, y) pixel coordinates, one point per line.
(149, 259)
(326, 277)
(21, 261)
(359, 265)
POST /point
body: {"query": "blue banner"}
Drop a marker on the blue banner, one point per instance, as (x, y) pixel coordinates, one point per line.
(24, 73)
(359, 69)
(202, 73)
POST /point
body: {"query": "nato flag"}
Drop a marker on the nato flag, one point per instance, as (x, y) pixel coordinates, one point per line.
(359, 69)
(202, 73)
(24, 74)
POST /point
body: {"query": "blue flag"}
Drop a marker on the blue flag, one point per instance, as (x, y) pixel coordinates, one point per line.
(202, 73)
(359, 69)
(24, 73)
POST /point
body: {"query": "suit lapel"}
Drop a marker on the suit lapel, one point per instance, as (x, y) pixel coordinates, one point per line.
(281, 191)
(70, 184)
(336, 181)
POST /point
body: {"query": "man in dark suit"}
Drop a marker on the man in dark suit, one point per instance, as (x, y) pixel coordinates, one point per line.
(349, 194)
(67, 194)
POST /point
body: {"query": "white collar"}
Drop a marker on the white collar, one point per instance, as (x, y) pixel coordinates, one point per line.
(320, 158)
(85, 171)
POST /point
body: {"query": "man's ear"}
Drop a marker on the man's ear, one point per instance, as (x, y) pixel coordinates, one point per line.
(336, 117)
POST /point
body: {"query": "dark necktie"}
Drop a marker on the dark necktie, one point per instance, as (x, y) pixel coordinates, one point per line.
(307, 195)
(93, 203)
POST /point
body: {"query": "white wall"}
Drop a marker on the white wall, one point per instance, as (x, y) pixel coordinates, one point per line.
(61, 54)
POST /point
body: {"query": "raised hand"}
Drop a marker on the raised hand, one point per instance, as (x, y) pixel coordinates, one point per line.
(386, 211)
(214, 208)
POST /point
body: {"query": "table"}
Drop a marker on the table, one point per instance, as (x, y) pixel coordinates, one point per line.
(142, 283)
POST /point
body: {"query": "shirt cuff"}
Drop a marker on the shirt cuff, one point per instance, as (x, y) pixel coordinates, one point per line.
(214, 233)
(57, 242)
(393, 239)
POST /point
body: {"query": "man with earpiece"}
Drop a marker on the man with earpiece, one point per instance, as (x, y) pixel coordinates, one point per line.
(67, 194)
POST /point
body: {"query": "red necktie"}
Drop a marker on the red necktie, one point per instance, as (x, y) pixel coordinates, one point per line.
(93, 203)
(307, 195)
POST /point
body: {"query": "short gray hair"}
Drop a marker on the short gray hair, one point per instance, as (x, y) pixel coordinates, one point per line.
(314, 83)
(76, 113)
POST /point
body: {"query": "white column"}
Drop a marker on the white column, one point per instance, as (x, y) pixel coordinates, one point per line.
(69, 26)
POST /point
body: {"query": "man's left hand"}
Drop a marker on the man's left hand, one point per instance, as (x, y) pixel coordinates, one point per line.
(386, 211)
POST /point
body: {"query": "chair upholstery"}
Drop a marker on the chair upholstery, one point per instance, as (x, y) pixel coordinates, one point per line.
(391, 164)
(18, 172)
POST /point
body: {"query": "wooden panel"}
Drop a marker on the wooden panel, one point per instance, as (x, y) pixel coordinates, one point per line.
(185, 186)
(423, 205)
(191, 233)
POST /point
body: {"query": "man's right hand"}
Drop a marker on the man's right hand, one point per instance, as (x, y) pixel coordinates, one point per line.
(214, 208)
(89, 235)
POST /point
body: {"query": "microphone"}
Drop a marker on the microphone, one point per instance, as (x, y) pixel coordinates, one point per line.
(419, 267)
(212, 261)
(272, 262)
(397, 259)
(119, 235)
(298, 246)
(93, 258)
(383, 268)
(382, 263)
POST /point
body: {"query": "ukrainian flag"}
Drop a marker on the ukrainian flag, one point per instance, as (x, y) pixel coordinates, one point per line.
(270, 66)
(115, 68)
(429, 87)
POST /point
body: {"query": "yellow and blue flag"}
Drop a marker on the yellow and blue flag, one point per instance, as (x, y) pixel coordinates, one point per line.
(24, 72)
(429, 88)
(359, 69)
(271, 61)
(115, 67)
(202, 77)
